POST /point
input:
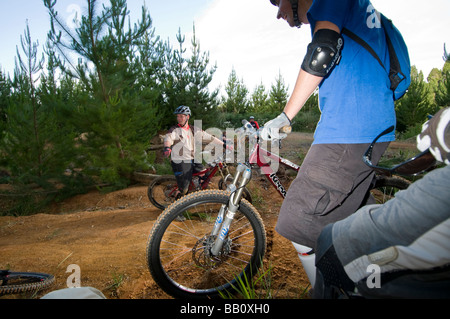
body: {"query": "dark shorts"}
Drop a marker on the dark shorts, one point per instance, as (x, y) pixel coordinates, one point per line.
(183, 173)
(332, 184)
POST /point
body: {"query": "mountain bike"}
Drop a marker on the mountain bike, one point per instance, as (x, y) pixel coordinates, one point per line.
(19, 282)
(163, 190)
(221, 238)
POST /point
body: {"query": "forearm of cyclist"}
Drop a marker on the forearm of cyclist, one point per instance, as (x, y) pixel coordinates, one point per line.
(217, 141)
(304, 87)
(167, 142)
(211, 138)
(170, 138)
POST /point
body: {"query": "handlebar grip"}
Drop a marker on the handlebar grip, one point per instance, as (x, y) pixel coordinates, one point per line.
(286, 129)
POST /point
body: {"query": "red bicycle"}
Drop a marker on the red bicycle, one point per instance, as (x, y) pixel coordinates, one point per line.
(162, 191)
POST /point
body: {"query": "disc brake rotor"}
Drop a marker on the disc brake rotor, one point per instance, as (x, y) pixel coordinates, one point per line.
(202, 256)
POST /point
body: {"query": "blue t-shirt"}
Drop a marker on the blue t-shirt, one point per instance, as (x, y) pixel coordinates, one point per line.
(355, 99)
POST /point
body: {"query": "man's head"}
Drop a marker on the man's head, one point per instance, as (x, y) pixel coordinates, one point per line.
(293, 11)
(183, 114)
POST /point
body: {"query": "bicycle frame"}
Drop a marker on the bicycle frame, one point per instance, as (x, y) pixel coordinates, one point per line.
(209, 173)
(257, 157)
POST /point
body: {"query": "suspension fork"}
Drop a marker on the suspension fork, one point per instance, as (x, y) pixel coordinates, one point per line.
(224, 220)
(231, 187)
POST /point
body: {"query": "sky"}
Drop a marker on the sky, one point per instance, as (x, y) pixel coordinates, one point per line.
(243, 35)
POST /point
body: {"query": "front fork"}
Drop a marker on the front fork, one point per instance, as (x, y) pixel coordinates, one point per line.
(223, 221)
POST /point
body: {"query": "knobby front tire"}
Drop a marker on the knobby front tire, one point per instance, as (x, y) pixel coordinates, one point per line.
(178, 248)
(20, 282)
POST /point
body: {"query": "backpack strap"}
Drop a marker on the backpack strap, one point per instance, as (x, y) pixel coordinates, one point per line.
(395, 73)
(363, 43)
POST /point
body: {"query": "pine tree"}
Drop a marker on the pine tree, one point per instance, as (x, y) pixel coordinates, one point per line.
(151, 72)
(116, 115)
(412, 109)
(34, 147)
(259, 99)
(278, 95)
(236, 100)
(176, 84)
(443, 90)
(5, 92)
(187, 82)
(202, 101)
(26, 122)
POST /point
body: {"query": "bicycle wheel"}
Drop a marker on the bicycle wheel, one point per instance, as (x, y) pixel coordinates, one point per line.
(18, 282)
(178, 249)
(385, 187)
(161, 191)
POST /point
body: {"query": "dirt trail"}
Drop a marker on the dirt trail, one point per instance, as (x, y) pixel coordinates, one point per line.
(108, 242)
(106, 235)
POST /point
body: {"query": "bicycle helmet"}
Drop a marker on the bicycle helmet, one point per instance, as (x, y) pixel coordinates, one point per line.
(294, 4)
(183, 110)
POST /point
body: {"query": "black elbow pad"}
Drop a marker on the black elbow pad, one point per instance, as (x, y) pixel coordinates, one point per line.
(324, 52)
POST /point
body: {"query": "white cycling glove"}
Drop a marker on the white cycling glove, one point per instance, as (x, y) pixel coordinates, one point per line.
(436, 136)
(271, 129)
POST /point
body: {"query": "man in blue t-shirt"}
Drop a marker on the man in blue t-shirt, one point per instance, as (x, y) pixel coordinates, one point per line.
(356, 104)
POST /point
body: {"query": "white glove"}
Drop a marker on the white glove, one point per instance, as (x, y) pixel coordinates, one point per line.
(271, 129)
(436, 136)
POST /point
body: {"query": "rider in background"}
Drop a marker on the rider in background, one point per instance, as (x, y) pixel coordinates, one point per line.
(405, 242)
(355, 101)
(180, 145)
(254, 123)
